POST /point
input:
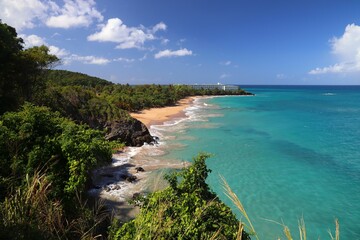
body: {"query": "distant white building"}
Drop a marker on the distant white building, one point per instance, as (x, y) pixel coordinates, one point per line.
(215, 86)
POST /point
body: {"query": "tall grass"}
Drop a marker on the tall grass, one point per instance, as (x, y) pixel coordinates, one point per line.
(87, 223)
(233, 197)
(29, 213)
(301, 223)
(337, 231)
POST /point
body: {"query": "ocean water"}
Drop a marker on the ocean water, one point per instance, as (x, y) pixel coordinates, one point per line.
(288, 152)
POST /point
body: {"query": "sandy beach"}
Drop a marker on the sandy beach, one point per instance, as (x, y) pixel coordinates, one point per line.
(111, 183)
(157, 116)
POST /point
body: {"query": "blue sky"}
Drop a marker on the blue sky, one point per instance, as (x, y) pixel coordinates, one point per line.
(197, 41)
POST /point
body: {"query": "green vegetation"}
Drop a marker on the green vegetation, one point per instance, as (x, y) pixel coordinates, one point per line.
(83, 105)
(45, 164)
(52, 127)
(67, 78)
(136, 98)
(21, 71)
(29, 213)
(36, 138)
(187, 209)
(75, 90)
(25, 76)
(46, 151)
(45, 159)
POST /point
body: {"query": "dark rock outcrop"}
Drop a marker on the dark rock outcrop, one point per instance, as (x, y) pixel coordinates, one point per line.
(130, 131)
(136, 196)
(129, 178)
(139, 169)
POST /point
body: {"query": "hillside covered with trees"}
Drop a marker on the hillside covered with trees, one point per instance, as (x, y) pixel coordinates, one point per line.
(53, 132)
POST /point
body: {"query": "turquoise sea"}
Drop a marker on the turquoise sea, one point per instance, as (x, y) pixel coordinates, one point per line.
(287, 152)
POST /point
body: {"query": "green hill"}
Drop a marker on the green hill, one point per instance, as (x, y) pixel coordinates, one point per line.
(68, 78)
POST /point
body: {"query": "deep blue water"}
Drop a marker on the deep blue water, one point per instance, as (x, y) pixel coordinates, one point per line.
(288, 152)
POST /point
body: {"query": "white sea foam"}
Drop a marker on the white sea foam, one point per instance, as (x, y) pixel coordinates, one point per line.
(124, 157)
(196, 112)
(150, 156)
(328, 94)
(170, 130)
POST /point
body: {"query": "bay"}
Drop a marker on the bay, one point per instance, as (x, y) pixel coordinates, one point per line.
(287, 152)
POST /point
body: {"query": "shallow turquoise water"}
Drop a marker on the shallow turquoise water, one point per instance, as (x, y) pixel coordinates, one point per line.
(287, 152)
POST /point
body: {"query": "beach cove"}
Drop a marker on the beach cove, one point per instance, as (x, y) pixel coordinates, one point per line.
(110, 182)
(278, 151)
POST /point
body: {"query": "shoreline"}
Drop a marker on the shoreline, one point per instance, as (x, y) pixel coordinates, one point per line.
(158, 116)
(112, 187)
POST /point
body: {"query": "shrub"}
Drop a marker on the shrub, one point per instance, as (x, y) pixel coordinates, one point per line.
(187, 209)
(37, 139)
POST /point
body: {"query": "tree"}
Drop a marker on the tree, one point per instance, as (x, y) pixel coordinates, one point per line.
(20, 70)
(35, 61)
(10, 51)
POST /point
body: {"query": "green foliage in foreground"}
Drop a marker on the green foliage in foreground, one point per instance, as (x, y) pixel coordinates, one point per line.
(37, 139)
(30, 213)
(187, 209)
(45, 165)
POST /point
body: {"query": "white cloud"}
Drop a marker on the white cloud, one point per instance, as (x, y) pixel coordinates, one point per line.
(343, 67)
(55, 35)
(88, 59)
(78, 13)
(347, 49)
(165, 41)
(22, 14)
(348, 45)
(224, 75)
(127, 60)
(160, 26)
(34, 40)
(226, 63)
(127, 37)
(178, 53)
(59, 52)
(66, 57)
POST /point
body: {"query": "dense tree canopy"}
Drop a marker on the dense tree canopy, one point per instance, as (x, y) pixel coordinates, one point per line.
(95, 101)
(20, 70)
(67, 78)
(10, 49)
